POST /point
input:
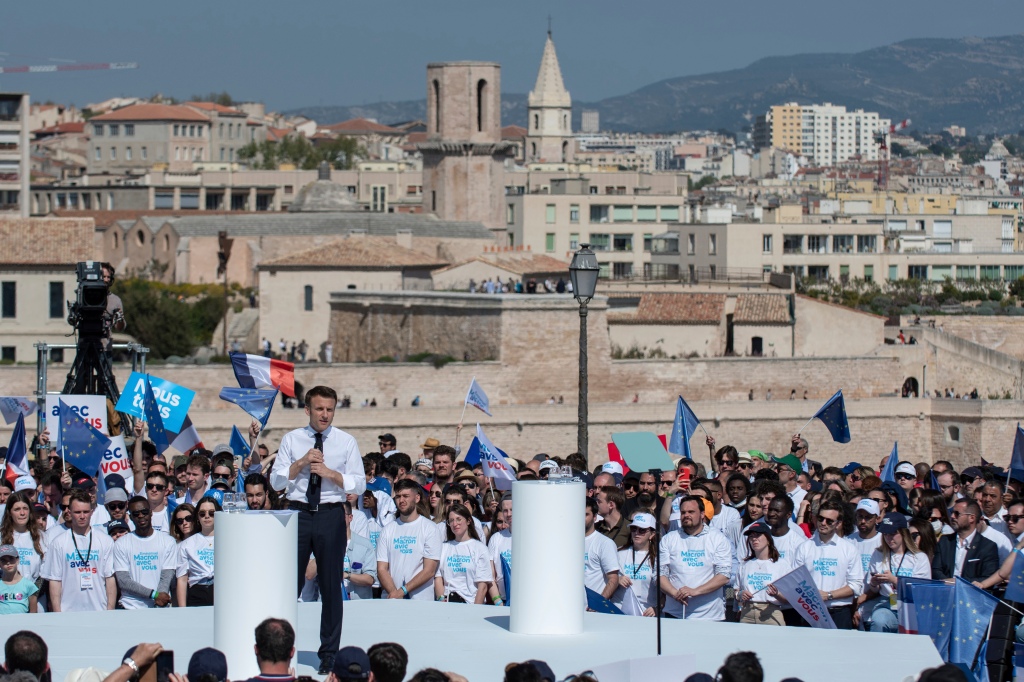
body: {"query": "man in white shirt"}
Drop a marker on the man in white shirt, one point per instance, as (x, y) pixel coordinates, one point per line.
(696, 565)
(156, 495)
(788, 466)
(409, 550)
(992, 511)
(600, 556)
(80, 563)
(834, 565)
(866, 537)
(144, 561)
(317, 466)
(726, 519)
(197, 473)
(500, 544)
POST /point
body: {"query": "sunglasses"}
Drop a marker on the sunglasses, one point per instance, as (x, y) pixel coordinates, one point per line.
(178, 520)
(955, 513)
(855, 477)
(140, 512)
(116, 506)
(435, 494)
(827, 521)
(666, 484)
(1013, 518)
(634, 488)
(745, 465)
(155, 486)
(65, 507)
(728, 462)
(905, 476)
(640, 530)
(206, 514)
(915, 536)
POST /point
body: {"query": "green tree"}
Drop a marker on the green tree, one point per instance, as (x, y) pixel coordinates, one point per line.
(170, 319)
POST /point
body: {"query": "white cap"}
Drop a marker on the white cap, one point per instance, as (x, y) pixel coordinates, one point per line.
(907, 468)
(870, 506)
(548, 464)
(642, 520)
(612, 468)
(24, 483)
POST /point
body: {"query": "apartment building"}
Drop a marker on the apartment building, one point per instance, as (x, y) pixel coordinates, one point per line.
(230, 130)
(133, 139)
(14, 154)
(873, 248)
(826, 134)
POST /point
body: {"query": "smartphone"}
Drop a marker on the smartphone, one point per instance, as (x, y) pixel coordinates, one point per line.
(684, 478)
(164, 666)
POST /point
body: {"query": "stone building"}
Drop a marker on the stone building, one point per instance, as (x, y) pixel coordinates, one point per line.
(549, 137)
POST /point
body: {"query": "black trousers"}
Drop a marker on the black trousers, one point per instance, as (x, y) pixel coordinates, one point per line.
(199, 595)
(322, 534)
(842, 616)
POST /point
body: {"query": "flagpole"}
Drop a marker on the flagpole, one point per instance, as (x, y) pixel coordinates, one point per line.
(62, 458)
(465, 404)
(801, 430)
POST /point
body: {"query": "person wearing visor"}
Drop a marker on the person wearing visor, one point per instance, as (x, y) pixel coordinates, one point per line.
(897, 557)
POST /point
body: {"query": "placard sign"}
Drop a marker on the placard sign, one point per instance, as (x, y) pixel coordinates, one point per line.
(91, 408)
(172, 400)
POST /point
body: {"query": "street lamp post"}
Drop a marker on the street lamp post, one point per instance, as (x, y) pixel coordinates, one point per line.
(583, 271)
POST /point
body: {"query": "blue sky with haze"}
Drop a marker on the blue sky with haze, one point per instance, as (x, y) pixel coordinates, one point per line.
(311, 52)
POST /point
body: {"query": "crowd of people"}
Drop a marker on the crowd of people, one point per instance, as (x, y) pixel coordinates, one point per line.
(521, 286)
(694, 542)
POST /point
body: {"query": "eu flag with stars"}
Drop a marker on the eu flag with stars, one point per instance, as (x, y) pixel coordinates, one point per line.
(682, 429)
(257, 402)
(971, 615)
(82, 445)
(1015, 585)
(933, 603)
(889, 472)
(833, 415)
(157, 433)
(238, 444)
(599, 604)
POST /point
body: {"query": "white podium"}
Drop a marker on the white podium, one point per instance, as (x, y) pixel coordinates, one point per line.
(547, 558)
(252, 550)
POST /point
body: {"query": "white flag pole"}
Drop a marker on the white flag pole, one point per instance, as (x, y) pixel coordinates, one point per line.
(465, 404)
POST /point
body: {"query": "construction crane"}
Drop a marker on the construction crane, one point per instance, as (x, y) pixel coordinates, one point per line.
(51, 68)
(882, 140)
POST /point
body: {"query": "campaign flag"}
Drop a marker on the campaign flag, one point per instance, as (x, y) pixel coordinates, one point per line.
(615, 456)
(506, 576)
(799, 590)
(116, 460)
(682, 429)
(257, 402)
(906, 614)
(256, 371)
(473, 452)
(494, 463)
(477, 398)
(1015, 585)
(81, 444)
(971, 615)
(17, 453)
(933, 482)
(1017, 458)
(101, 489)
(172, 400)
(933, 607)
(238, 443)
(187, 439)
(833, 415)
(889, 472)
(12, 406)
(630, 604)
(599, 604)
(157, 433)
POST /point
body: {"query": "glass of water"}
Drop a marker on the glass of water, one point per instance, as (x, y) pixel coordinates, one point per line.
(229, 502)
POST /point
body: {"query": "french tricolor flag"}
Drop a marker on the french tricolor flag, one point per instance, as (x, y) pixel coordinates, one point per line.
(256, 371)
(17, 463)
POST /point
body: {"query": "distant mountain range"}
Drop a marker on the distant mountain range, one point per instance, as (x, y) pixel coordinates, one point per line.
(973, 82)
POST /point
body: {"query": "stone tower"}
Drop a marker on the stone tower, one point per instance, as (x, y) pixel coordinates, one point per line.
(549, 130)
(463, 157)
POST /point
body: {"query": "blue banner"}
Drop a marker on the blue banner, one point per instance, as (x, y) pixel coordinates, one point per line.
(172, 400)
(155, 421)
(682, 429)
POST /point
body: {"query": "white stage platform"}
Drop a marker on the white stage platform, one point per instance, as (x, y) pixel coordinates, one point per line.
(474, 641)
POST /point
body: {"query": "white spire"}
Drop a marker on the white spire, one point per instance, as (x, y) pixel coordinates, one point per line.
(549, 91)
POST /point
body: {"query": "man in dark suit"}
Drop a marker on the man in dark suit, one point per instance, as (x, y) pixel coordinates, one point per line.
(966, 554)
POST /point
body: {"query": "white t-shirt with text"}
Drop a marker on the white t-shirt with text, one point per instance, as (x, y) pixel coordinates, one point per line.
(403, 546)
(143, 559)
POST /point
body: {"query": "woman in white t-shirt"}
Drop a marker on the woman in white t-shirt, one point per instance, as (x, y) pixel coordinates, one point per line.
(464, 572)
(636, 566)
(18, 528)
(756, 573)
(897, 557)
(195, 559)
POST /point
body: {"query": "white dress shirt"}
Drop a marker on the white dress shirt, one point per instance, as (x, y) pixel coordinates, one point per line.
(341, 454)
(961, 552)
(833, 564)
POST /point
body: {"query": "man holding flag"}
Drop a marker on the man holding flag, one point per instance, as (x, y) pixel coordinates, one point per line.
(834, 564)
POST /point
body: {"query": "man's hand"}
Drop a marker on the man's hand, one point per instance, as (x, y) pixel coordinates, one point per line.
(396, 594)
(145, 654)
(683, 593)
(44, 437)
(320, 469)
(65, 481)
(794, 442)
(139, 429)
(254, 429)
(312, 456)
(710, 441)
(162, 599)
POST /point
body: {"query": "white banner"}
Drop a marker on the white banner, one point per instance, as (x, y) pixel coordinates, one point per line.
(799, 589)
(12, 406)
(91, 408)
(117, 460)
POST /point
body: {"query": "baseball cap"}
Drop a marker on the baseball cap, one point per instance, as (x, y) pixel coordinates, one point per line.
(9, 550)
(709, 509)
(642, 520)
(24, 483)
(546, 673)
(388, 438)
(114, 481)
(217, 495)
(792, 461)
(220, 480)
(351, 663)
(115, 495)
(759, 526)
(548, 464)
(379, 484)
(892, 522)
(907, 468)
(540, 457)
(208, 661)
(221, 449)
(757, 454)
(117, 525)
(83, 483)
(972, 472)
(612, 468)
(868, 505)
(39, 508)
(851, 467)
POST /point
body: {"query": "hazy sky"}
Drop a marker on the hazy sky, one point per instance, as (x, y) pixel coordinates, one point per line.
(311, 52)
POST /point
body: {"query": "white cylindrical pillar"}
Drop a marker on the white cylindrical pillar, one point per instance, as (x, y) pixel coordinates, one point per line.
(547, 558)
(252, 583)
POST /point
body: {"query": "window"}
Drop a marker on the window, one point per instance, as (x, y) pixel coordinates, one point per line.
(98, 155)
(379, 199)
(129, 130)
(600, 242)
(869, 273)
(510, 213)
(691, 244)
(647, 214)
(622, 242)
(917, 272)
(56, 355)
(97, 130)
(866, 243)
(549, 242)
(574, 213)
(574, 241)
(115, 130)
(163, 200)
(191, 131)
(7, 353)
(894, 273)
(177, 153)
(189, 200)
(964, 273)
(56, 300)
(1013, 272)
(990, 272)
(842, 243)
(817, 243)
(549, 214)
(145, 154)
(766, 243)
(844, 273)
(113, 153)
(712, 244)
(622, 270)
(648, 242)
(623, 214)
(308, 297)
(221, 129)
(599, 213)
(176, 130)
(222, 153)
(669, 214)
(818, 272)
(128, 153)
(943, 228)
(8, 302)
(792, 243)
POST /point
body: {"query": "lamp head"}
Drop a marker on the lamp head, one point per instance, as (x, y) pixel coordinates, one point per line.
(583, 271)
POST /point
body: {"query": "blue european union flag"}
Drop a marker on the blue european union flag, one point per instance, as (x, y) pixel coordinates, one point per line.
(682, 429)
(506, 575)
(1015, 585)
(833, 415)
(933, 604)
(1017, 458)
(257, 402)
(599, 604)
(238, 443)
(889, 472)
(157, 433)
(82, 445)
(971, 615)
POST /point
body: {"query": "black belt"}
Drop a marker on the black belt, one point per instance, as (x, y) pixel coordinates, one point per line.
(306, 506)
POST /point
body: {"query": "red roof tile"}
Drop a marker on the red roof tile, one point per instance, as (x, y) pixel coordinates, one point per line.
(218, 108)
(513, 132)
(46, 241)
(761, 309)
(62, 128)
(152, 112)
(364, 252)
(677, 309)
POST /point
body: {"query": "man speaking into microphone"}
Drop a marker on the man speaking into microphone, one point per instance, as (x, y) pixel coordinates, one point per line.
(318, 466)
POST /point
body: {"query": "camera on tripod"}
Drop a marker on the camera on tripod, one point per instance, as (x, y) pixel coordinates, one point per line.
(88, 314)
